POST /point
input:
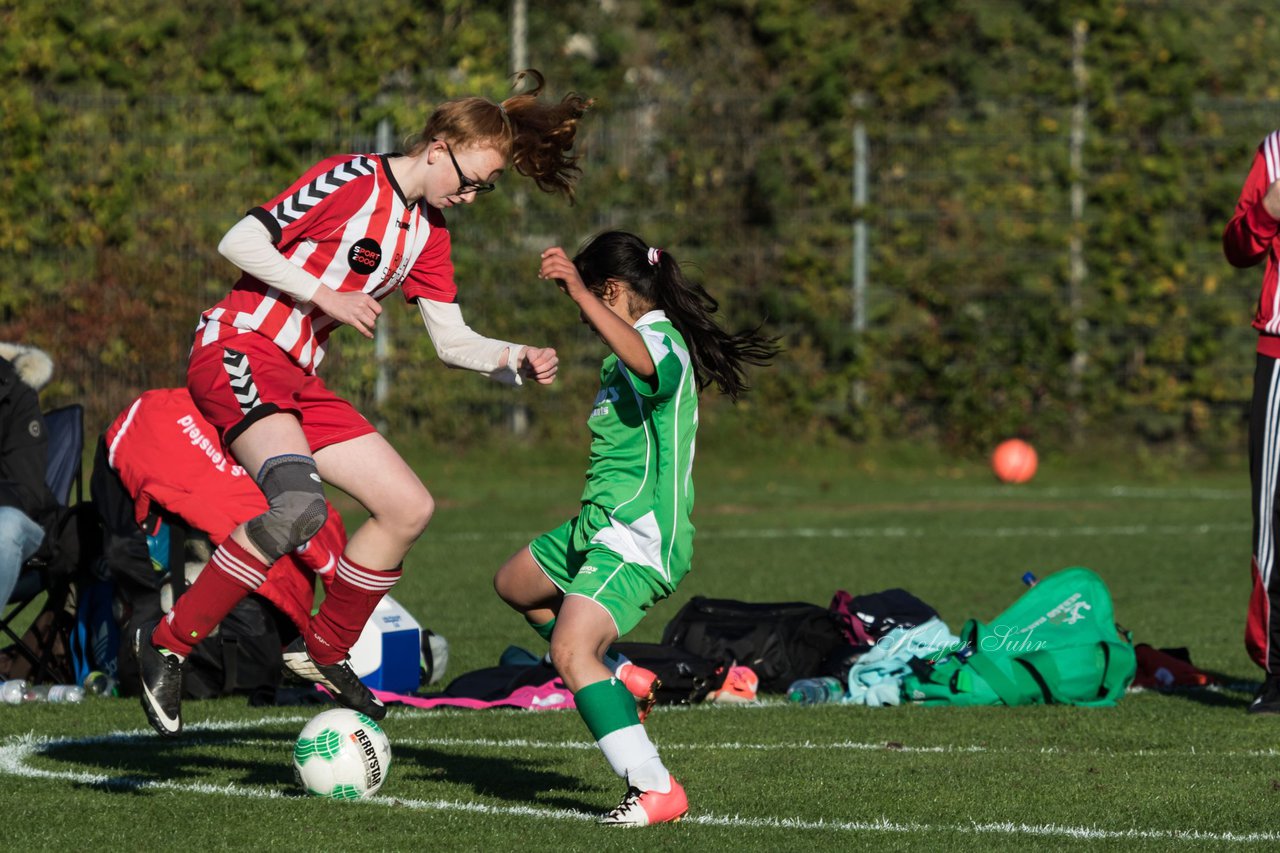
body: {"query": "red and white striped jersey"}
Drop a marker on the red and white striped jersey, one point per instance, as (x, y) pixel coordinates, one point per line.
(1253, 234)
(345, 221)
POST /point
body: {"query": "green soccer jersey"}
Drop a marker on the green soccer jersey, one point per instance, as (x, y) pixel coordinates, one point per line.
(642, 447)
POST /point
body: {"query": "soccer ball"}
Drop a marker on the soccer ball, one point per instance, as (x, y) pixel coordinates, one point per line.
(1014, 461)
(341, 754)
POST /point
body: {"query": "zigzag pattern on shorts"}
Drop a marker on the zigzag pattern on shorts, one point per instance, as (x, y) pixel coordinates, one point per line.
(237, 366)
(296, 205)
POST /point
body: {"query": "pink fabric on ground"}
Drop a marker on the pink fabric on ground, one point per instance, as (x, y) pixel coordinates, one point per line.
(543, 697)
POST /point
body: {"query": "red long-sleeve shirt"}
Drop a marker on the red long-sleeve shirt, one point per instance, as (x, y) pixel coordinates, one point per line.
(1253, 234)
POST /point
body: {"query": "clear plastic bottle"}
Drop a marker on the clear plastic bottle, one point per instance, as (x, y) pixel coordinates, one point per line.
(11, 692)
(815, 691)
(53, 693)
(100, 684)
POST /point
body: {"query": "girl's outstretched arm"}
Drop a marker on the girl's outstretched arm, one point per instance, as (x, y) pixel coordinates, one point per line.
(611, 320)
(458, 345)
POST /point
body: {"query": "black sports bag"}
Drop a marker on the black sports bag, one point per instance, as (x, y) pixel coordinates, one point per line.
(779, 641)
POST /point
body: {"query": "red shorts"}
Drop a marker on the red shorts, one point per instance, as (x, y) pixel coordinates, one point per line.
(238, 381)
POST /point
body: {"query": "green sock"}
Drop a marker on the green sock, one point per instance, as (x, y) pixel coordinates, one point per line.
(609, 711)
(606, 706)
(543, 630)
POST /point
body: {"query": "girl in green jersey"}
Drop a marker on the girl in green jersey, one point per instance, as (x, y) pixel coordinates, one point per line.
(590, 581)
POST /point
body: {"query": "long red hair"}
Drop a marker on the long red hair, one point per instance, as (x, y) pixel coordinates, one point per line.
(534, 135)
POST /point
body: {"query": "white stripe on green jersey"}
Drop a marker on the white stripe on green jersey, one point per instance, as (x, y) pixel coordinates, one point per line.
(642, 448)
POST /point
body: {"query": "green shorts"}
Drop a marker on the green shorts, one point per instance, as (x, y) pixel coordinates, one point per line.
(578, 566)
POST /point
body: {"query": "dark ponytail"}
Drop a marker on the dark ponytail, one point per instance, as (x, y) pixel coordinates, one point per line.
(657, 281)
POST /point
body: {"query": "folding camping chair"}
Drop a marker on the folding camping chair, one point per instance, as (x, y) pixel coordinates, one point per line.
(64, 476)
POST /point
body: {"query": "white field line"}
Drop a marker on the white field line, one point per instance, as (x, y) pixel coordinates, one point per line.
(1032, 491)
(895, 532)
(15, 752)
(793, 746)
(856, 746)
(1113, 492)
(976, 532)
(1020, 493)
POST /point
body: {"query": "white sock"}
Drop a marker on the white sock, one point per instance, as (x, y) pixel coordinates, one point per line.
(650, 776)
(634, 757)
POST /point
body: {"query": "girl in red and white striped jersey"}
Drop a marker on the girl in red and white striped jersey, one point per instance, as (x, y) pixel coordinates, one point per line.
(1251, 237)
(324, 253)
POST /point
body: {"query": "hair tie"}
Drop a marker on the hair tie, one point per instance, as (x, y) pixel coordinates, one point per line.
(654, 255)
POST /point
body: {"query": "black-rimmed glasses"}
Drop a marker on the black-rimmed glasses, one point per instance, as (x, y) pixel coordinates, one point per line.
(465, 184)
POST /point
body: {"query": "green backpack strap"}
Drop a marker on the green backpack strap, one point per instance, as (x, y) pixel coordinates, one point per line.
(1018, 688)
(1057, 686)
(945, 680)
(1022, 688)
(1121, 666)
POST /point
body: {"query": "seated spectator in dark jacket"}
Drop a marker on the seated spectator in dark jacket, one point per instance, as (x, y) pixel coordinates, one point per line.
(27, 506)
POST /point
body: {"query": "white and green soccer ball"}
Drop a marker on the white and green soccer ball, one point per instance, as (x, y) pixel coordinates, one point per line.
(341, 754)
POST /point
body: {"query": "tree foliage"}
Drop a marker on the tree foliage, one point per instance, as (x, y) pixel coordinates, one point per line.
(137, 131)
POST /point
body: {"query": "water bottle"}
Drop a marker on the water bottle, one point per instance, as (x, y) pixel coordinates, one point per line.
(815, 691)
(60, 693)
(100, 684)
(11, 692)
(1030, 579)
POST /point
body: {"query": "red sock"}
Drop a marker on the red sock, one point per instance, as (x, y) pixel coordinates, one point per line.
(231, 574)
(347, 606)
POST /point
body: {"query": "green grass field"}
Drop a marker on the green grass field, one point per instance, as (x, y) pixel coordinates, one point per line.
(1159, 771)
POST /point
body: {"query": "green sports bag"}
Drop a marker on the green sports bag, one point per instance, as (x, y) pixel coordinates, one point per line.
(1058, 643)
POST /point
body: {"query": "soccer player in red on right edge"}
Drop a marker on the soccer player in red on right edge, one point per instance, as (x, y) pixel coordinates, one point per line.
(591, 580)
(1252, 236)
(348, 233)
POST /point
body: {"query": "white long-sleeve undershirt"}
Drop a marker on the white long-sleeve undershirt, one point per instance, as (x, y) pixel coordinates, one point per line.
(248, 245)
(458, 345)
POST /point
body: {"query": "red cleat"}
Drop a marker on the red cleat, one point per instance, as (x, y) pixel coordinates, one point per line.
(741, 685)
(641, 683)
(645, 808)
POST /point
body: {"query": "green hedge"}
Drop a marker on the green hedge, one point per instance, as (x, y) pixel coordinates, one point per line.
(137, 132)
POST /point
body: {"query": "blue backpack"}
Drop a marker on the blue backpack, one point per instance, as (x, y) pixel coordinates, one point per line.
(95, 636)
